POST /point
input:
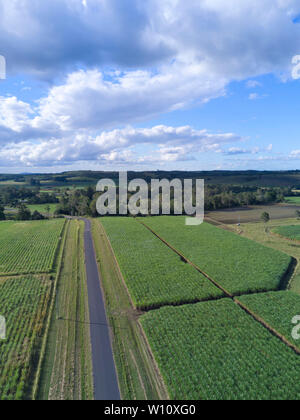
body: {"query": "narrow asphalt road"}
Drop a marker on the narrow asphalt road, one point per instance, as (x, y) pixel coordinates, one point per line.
(104, 371)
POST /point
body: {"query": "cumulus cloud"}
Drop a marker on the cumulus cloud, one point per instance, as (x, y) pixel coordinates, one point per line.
(45, 37)
(170, 144)
(123, 62)
(295, 154)
(88, 100)
(245, 38)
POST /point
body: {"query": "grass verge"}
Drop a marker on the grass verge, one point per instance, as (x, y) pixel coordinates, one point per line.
(67, 367)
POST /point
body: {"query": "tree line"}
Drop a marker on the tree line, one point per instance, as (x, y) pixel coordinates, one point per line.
(82, 202)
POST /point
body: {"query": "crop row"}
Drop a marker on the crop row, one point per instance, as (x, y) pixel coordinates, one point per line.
(215, 351)
(29, 247)
(236, 263)
(24, 305)
(278, 309)
(155, 275)
(290, 232)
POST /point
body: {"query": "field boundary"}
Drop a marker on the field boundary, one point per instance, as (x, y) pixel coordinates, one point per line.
(185, 259)
(118, 267)
(45, 339)
(284, 237)
(56, 260)
(294, 263)
(216, 222)
(232, 297)
(289, 275)
(267, 326)
(151, 355)
(28, 273)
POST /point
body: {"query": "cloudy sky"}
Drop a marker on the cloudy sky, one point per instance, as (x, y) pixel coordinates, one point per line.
(156, 84)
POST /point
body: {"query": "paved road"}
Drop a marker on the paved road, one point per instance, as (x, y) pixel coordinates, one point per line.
(105, 378)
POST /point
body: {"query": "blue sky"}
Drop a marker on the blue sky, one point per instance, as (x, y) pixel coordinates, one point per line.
(162, 84)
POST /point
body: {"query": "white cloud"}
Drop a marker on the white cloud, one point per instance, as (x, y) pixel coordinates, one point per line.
(251, 84)
(256, 96)
(45, 38)
(14, 114)
(295, 154)
(244, 151)
(89, 101)
(244, 39)
(168, 143)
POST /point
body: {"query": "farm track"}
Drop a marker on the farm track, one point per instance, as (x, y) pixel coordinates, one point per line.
(106, 385)
(229, 295)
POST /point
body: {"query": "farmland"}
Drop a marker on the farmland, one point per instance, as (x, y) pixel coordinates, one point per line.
(277, 309)
(47, 353)
(204, 345)
(290, 232)
(29, 247)
(293, 200)
(42, 208)
(257, 233)
(154, 275)
(253, 213)
(11, 212)
(214, 350)
(238, 264)
(24, 302)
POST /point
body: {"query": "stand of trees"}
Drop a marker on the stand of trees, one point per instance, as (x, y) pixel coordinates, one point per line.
(2, 214)
(25, 214)
(78, 203)
(83, 202)
(12, 196)
(224, 196)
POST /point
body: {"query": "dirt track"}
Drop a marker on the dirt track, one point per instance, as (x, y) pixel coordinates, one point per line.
(104, 371)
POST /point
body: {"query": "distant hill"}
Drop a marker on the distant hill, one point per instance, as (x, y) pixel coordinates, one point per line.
(289, 179)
